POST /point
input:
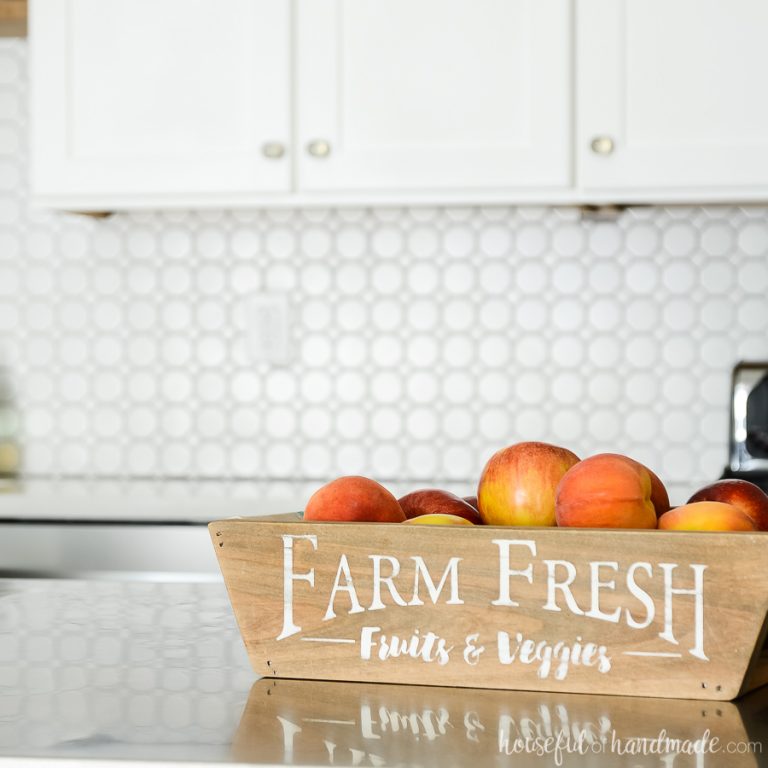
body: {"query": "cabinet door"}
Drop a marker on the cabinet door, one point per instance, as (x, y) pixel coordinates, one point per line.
(433, 94)
(159, 100)
(671, 95)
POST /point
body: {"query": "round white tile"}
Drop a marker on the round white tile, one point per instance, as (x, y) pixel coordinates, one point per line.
(422, 279)
(531, 278)
(605, 239)
(495, 351)
(643, 239)
(350, 242)
(351, 279)
(642, 277)
(753, 239)
(458, 242)
(531, 240)
(280, 243)
(386, 387)
(422, 351)
(387, 242)
(495, 241)
(679, 239)
(495, 277)
(494, 314)
(717, 239)
(423, 242)
(387, 315)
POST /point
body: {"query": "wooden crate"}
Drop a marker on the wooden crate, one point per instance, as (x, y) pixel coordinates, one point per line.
(633, 613)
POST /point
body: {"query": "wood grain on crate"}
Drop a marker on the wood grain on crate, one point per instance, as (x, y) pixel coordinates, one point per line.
(13, 18)
(616, 624)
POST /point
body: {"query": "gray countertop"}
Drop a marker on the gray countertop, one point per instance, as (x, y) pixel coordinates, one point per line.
(119, 670)
(169, 501)
(156, 673)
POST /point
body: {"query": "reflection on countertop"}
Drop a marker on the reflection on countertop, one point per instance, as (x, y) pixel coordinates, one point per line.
(308, 723)
(130, 670)
(157, 672)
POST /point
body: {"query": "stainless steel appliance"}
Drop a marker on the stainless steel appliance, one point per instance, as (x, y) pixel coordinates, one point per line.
(749, 424)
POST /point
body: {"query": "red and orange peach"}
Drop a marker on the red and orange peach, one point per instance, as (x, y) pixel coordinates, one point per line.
(746, 496)
(354, 499)
(608, 491)
(429, 501)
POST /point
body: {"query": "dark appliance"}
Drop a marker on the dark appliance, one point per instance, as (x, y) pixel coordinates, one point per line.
(748, 443)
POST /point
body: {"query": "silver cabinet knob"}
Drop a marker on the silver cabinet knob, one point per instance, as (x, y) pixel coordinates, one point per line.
(319, 148)
(274, 150)
(602, 145)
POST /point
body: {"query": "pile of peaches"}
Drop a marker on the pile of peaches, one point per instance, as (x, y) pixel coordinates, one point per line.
(538, 484)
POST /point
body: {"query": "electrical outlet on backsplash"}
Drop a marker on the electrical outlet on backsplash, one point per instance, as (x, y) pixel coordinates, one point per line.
(420, 339)
(268, 328)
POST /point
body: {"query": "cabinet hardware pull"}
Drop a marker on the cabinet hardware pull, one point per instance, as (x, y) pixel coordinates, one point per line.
(319, 148)
(274, 150)
(602, 145)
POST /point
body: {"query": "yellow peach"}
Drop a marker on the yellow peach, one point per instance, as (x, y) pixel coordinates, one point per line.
(438, 518)
(706, 516)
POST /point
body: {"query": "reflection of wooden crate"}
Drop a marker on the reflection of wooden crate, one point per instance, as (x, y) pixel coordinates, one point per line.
(307, 722)
(638, 613)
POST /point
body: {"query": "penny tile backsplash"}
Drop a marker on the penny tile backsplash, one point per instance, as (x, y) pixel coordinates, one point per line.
(419, 339)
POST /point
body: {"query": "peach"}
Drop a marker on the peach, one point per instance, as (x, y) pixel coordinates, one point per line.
(354, 499)
(746, 496)
(430, 501)
(606, 491)
(438, 519)
(659, 495)
(706, 516)
(517, 485)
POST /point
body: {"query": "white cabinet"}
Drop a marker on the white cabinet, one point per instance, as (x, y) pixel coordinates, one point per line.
(149, 102)
(162, 103)
(671, 99)
(140, 103)
(433, 95)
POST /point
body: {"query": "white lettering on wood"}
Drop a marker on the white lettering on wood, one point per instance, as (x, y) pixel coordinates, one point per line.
(505, 572)
(428, 647)
(451, 570)
(563, 586)
(348, 587)
(378, 580)
(551, 656)
(595, 585)
(698, 594)
(289, 628)
(559, 655)
(641, 595)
